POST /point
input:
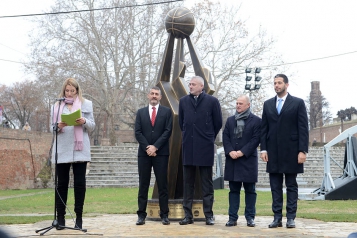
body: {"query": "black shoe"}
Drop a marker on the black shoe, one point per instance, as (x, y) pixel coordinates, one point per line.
(231, 223)
(61, 223)
(250, 223)
(290, 223)
(79, 223)
(140, 221)
(186, 221)
(275, 224)
(165, 221)
(209, 221)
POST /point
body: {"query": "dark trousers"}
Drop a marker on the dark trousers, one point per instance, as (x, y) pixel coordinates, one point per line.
(276, 185)
(159, 164)
(189, 175)
(234, 200)
(79, 180)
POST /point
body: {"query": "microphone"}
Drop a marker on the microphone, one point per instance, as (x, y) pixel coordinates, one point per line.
(60, 99)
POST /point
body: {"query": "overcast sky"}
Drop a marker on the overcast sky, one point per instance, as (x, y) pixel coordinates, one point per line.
(305, 30)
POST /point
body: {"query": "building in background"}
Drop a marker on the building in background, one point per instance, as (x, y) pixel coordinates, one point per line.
(320, 132)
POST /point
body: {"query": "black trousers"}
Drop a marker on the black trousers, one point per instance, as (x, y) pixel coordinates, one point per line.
(159, 163)
(79, 179)
(276, 185)
(189, 175)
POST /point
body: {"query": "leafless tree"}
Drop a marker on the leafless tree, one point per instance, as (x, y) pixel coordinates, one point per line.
(115, 54)
(318, 110)
(21, 101)
(227, 48)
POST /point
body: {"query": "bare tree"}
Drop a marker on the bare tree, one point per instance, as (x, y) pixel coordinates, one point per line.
(115, 54)
(227, 48)
(21, 101)
(318, 111)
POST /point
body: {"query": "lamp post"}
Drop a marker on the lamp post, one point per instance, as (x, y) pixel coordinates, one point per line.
(254, 85)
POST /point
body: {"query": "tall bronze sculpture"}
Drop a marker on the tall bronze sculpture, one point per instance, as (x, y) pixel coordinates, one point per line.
(180, 23)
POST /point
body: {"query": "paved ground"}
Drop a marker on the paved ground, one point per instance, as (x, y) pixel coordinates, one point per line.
(124, 226)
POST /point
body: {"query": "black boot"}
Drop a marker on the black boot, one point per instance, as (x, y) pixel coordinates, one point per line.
(61, 222)
(79, 223)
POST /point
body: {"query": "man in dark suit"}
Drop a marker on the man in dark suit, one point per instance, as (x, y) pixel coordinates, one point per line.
(284, 145)
(200, 119)
(153, 126)
(241, 137)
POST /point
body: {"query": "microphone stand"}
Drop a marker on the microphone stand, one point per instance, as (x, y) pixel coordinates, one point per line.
(55, 223)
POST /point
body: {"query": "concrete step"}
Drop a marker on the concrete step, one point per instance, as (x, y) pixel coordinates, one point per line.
(124, 176)
(113, 161)
(113, 154)
(117, 167)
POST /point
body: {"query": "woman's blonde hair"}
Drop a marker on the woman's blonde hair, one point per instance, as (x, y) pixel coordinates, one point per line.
(73, 83)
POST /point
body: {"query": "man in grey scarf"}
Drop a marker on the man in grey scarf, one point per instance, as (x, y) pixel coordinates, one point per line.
(240, 117)
(241, 137)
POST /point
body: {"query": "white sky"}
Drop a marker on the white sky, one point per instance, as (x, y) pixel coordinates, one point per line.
(304, 30)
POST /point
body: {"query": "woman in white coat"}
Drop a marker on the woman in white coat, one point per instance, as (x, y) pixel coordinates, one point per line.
(73, 148)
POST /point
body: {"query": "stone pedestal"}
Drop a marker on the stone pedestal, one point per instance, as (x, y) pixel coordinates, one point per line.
(176, 210)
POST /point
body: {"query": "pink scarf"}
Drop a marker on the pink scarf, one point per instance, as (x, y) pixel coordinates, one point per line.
(78, 130)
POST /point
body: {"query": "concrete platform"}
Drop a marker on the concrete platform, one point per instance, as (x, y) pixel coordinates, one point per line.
(124, 226)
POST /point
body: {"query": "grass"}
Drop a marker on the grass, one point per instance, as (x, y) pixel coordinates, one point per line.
(124, 201)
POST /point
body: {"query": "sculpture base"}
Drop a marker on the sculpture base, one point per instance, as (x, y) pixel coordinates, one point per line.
(176, 210)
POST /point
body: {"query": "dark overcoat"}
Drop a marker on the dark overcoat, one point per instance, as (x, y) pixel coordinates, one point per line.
(284, 136)
(157, 135)
(200, 125)
(245, 168)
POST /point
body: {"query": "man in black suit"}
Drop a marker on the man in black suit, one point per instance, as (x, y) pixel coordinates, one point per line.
(200, 120)
(153, 126)
(284, 145)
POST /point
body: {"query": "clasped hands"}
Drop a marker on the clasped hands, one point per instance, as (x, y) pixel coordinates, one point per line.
(236, 154)
(151, 150)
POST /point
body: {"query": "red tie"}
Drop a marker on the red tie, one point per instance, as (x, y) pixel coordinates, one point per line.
(153, 116)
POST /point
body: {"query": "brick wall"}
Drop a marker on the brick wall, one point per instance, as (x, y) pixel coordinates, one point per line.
(22, 156)
(327, 133)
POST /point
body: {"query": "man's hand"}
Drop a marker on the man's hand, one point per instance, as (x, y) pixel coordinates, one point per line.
(151, 150)
(264, 156)
(301, 158)
(240, 153)
(233, 154)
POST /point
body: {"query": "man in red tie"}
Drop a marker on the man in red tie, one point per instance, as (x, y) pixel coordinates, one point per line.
(153, 126)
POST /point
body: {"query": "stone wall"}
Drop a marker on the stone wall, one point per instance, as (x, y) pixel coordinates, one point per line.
(327, 133)
(23, 154)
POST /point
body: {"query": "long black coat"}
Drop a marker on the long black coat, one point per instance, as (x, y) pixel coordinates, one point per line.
(284, 136)
(157, 135)
(245, 168)
(200, 125)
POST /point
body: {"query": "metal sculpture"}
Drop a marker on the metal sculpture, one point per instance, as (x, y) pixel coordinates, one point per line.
(180, 23)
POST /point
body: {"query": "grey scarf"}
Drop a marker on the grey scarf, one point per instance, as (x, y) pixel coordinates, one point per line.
(240, 117)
